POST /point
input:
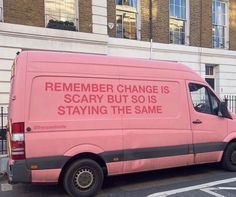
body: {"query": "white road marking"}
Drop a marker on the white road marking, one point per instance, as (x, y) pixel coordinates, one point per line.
(191, 188)
(209, 191)
(227, 188)
(6, 187)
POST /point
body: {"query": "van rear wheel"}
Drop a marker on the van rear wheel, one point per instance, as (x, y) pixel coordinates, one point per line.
(229, 157)
(83, 178)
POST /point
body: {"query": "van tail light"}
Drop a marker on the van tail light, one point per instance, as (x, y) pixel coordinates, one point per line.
(18, 141)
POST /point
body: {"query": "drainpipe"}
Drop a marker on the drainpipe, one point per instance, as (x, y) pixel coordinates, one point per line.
(150, 26)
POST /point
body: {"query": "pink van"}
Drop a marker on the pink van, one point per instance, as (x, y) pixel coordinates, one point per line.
(77, 118)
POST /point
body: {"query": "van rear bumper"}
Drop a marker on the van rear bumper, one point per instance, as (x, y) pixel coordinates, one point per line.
(19, 173)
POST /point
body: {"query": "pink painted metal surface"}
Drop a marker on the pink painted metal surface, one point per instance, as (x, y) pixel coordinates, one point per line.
(76, 103)
(45, 176)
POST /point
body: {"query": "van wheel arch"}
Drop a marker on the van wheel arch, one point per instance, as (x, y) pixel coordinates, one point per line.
(80, 156)
(226, 146)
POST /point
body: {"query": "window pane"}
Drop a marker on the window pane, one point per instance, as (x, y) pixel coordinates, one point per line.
(119, 29)
(172, 2)
(213, 6)
(200, 98)
(178, 9)
(222, 19)
(183, 13)
(177, 31)
(172, 12)
(217, 5)
(211, 82)
(118, 2)
(182, 41)
(222, 41)
(61, 10)
(219, 22)
(177, 2)
(171, 37)
(209, 70)
(133, 3)
(215, 103)
(177, 12)
(223, 8)
(213, 18)
(126, 19)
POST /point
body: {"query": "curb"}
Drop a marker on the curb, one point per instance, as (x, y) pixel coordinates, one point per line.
(3, 164)
(3, 177)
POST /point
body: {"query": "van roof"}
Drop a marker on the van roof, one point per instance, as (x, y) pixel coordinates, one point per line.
(65, 57)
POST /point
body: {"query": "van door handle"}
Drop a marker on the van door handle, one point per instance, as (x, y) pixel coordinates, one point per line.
(197, 121)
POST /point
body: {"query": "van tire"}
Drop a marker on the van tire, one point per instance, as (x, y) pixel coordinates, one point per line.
(83, 178)
(229, 157)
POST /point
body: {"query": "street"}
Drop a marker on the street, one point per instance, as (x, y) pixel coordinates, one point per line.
(202, 180)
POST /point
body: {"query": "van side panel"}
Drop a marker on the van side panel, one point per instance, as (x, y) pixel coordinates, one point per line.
(164, 134)
(104, 113)
(45, 176)
(107, 106)
(71, 115)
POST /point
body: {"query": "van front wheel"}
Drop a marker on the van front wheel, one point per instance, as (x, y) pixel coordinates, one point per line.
(229, 157)
(83, 178)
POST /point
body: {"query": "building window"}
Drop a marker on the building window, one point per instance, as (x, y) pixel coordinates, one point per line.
(61, 14)
(219, 24)
(1, 10)
(126, 19)
(178, 21)
(210, 75)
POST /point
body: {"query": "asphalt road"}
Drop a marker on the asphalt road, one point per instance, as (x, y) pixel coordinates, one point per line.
(204, 180)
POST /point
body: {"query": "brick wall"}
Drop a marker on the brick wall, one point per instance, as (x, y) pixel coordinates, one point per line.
(31, 12)
(195, 22)
(206, 35)
(232, 24)
(200, 23)
(25, 12)
(145, 25)
(85, 16)
(111, 17)
(161, 21)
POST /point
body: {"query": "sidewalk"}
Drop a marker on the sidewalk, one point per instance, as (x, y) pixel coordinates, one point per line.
(3, 164)
(3, 178)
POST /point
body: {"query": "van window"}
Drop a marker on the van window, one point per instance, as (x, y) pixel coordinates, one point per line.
(203, 99)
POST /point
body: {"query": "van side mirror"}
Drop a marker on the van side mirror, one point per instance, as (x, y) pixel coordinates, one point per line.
(223, 111)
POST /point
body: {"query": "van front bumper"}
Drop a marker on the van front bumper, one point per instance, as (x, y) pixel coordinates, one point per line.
(18, 172)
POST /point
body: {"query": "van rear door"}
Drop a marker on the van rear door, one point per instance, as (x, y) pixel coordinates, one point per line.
(16, 112)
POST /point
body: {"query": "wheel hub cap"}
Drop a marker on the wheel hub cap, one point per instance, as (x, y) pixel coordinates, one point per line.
(83, 178)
